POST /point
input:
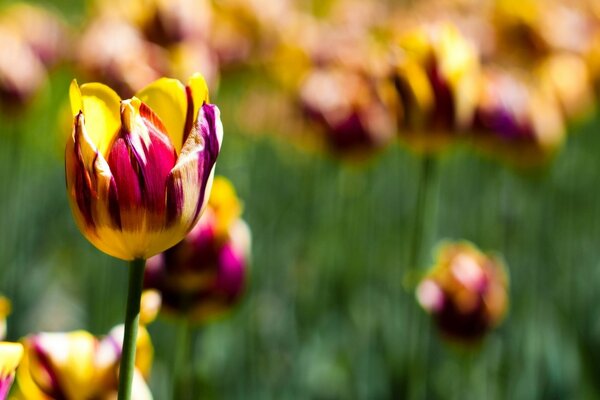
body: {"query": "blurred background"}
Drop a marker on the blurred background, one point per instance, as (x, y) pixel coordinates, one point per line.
(331, 109)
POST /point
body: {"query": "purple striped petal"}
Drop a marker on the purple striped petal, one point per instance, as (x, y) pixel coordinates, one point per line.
(189, 180)
(141, 159)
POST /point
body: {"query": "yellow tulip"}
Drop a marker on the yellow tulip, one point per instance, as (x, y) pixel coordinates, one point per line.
(139, 171)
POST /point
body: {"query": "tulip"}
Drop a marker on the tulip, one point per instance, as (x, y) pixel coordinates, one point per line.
(204, 276)
(516, 119)
(465, 292)
(139, 170)
(353, 114)
(436, 74)
(10, 356)
(138, 176)
(77, 365)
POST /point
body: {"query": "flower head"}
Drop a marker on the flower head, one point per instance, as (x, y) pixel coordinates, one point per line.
(205, 274)
(436, 73)
(10, 356)
(465, 292)
(139, 171)
(77, 365)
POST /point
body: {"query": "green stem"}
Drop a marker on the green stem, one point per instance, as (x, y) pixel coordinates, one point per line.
(183, 370)
(425, 213)
(132, 319)
(424, 228)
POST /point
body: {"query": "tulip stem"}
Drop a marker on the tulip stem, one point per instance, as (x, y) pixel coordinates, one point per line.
(424, 228)
(425, 212)
(132, 319)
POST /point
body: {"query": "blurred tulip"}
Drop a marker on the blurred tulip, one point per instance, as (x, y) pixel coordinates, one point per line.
(10, 356)
(516, 120)
(244, 30)
(22, 74)
(187, 57)
(76, 365)
(164, 22)
(139, 170)
(436, 73)
(41, 29)
(205, 275)
(352, 112)
(127, 64)
(5, 309)
(465, 292)
(566, 77)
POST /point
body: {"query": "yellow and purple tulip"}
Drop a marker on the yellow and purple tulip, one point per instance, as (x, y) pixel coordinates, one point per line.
(465, 292)
(10, 356)
(516, 119)
(436, 74)
(139, 171)
(205, 275)
(77, 365)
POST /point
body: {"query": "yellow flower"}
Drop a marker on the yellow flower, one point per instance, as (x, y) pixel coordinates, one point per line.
(10, 356)
(139, 171)
(77, 365)
(5, 308)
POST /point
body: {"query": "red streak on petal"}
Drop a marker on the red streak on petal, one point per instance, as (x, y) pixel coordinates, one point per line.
(160, 160)
(124, 168)
(83, 186)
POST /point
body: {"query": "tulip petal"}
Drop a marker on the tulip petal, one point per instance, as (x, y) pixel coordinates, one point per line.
(100, 105)
(167, 98)
(141, 160)
(10, 356)
(191, 178)
(197, 92)
(92, 192)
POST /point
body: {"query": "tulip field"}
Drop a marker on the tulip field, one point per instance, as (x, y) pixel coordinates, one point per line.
(404, 201)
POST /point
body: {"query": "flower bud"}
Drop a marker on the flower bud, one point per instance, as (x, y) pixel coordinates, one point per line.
(465, 292)
(139, 171)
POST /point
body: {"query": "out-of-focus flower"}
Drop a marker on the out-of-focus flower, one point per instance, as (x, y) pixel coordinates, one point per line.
(205, 275)
(353, 112)
(517, 120)
(22, 73)
(127, 64)
(10, 356)
(44, 32)
(436, 73)
(5, 309)
(244, 30)
(566, 76)
(187, 57)
(164, 22)
(139, 171)
(465, 292)
(77, 365)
